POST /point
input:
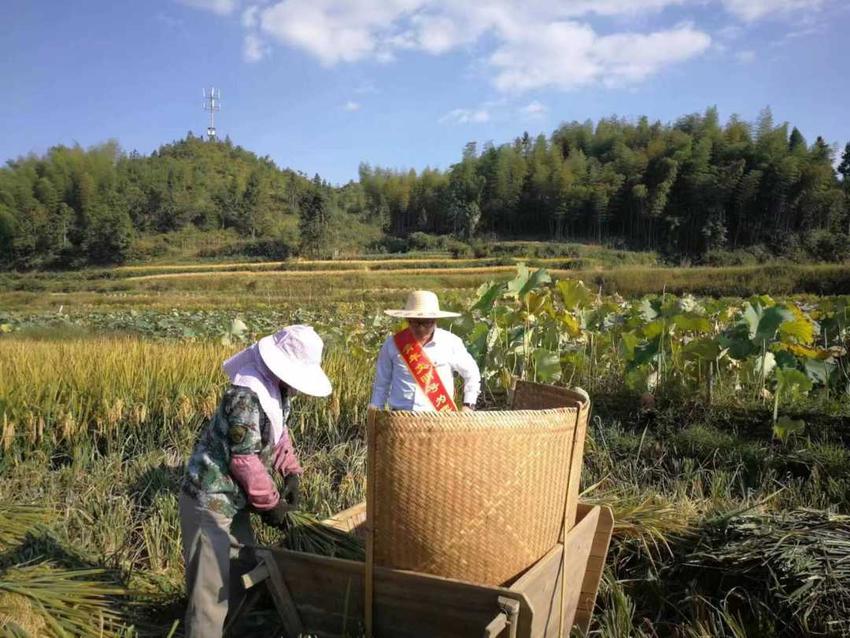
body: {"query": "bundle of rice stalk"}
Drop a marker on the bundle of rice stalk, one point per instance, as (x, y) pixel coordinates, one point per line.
(650, 520)
(18, 618)
(799, 560)
(45, 601)
(17, 520)
(306, 533)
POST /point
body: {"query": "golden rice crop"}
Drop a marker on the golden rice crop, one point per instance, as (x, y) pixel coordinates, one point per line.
(131, 394)
(78, 390)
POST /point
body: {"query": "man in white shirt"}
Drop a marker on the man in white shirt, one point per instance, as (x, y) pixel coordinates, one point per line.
(416, 366)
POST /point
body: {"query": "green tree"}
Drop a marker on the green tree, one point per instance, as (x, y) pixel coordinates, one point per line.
(315, 221)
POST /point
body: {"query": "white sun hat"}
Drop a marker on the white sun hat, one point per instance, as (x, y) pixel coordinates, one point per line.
(421, 304)
(294, 355)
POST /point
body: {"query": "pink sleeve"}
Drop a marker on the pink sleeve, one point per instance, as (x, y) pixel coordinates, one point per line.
(251, 474)
(285, 460)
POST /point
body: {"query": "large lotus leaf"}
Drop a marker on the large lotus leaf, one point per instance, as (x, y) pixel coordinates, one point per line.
(653, 329)
(738, 342)
(506, 379)
(549, 336)
(819, 371)
(476, 340)
(785, 359)
(570, 323)
(808, 352)
(645, 353)
(537, 303)
(576, 359)
(799, 330)
(599, 317)
(540, 277)
(770, 321)
(792, 381)
(751, 316)
(691, 322)
(237, 330)
(763, 365)
(638, 380)
(487, 296)
(703, 349)
(650, 309)
(547, 365)
(765, 301)
(516, 284)
(629, 341)
(574, 293)
(786, 427)
(503, 316)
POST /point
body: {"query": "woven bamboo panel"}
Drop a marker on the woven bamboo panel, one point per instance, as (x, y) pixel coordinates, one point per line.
(538, 396)
(473, 496)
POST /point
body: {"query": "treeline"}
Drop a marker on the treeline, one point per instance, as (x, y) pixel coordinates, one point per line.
(684, 189)
(76, 206)
(688, 189)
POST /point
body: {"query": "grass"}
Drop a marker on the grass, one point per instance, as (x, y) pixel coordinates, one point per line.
(109, 475)
(259, 284)
(95, 425)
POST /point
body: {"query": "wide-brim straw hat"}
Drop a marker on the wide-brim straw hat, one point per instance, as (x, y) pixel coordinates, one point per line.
(294, 355)
(421, 304)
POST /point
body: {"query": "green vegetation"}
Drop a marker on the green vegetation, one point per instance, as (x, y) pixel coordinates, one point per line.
(695, 189)
(694, 442)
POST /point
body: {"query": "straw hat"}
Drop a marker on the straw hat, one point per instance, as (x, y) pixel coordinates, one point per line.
(294, 355)
(421, 304)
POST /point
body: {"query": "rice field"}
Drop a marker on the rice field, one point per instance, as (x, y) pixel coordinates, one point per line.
(99, 406)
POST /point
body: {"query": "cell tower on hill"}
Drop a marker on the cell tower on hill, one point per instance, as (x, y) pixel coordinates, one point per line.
(212, 103)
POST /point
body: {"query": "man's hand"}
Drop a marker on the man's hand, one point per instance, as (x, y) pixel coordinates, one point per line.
(276, 516)
(468, 407)
(290, 490)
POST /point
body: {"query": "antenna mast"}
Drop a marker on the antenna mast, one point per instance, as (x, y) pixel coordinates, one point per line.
(212, 103)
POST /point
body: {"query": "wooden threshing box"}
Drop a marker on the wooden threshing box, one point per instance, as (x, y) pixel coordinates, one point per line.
(327, 597)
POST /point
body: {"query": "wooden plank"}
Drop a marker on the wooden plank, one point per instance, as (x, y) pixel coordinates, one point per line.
(282, 598)
(577, 460)
(528, 395)
(329, 595)
(595, 567)
(541, 585)
(369, 585)
(348, 520)
(255, 576)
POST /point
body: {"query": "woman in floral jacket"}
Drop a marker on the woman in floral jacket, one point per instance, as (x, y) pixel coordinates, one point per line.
(230, 472)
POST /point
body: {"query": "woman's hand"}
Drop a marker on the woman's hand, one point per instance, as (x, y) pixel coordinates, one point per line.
(290, 490)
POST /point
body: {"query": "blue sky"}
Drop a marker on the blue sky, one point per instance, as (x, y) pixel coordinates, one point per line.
(322, 85)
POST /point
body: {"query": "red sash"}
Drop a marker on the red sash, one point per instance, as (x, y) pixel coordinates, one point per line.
(423, 371)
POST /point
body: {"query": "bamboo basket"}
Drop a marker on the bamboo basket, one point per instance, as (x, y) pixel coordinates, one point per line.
(476, 496)
(528, 395)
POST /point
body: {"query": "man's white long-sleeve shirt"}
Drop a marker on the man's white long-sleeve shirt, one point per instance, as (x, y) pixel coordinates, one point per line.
(394, 383)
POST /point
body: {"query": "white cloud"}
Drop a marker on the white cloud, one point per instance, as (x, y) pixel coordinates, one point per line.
(221, 7)
(745, 57)
(751, 10)
(337, 30)
(568, 55)
(466, 116)
(250, 17)
(254, 49)
(536, 43)
(351, 106)
(534, 109)
(730, 32)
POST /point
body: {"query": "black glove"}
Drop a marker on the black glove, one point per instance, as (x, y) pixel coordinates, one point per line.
(276, 516)
(290, 490)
